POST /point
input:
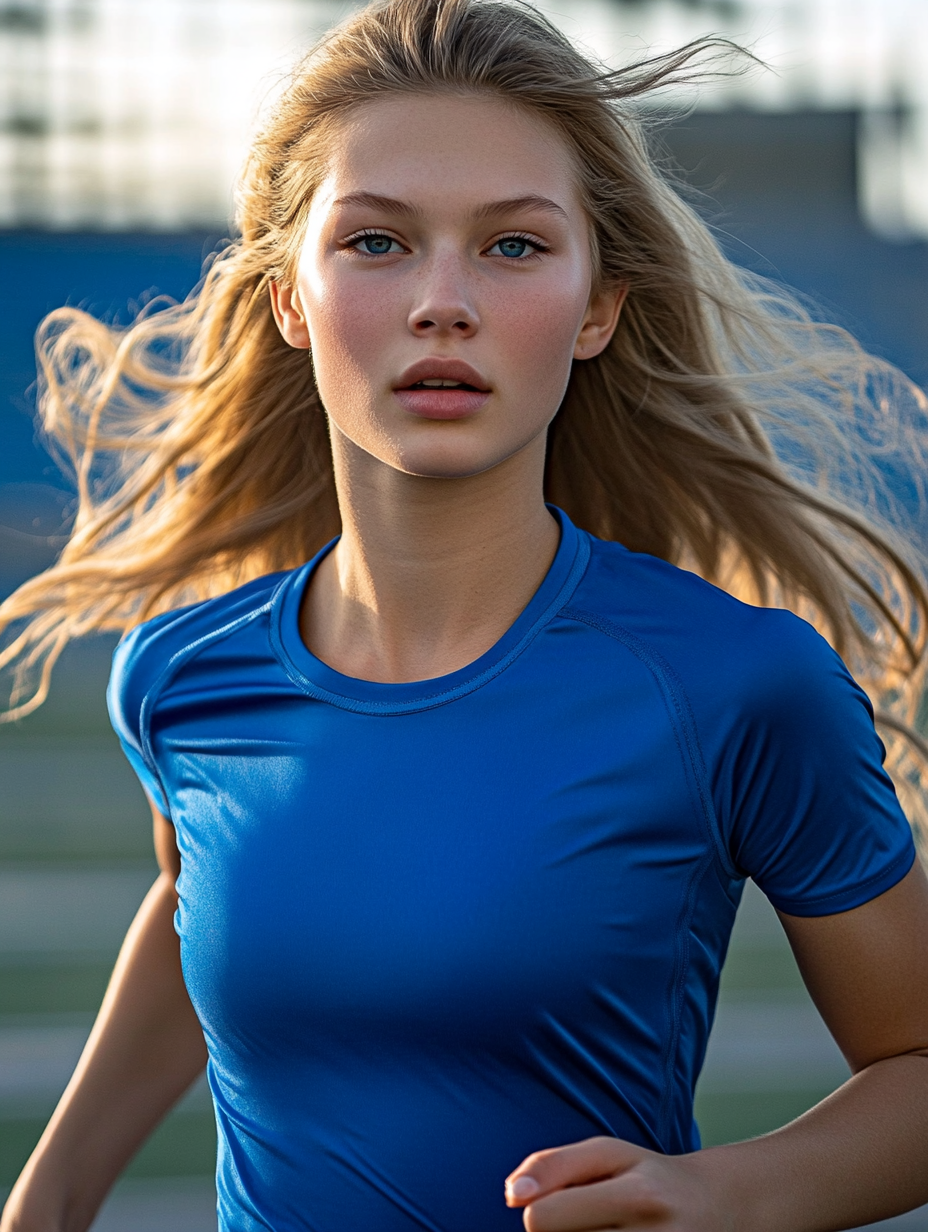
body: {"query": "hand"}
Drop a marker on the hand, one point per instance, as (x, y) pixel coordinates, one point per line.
(605, 1183)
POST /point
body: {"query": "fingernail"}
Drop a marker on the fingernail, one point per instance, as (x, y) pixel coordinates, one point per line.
(524, 1187)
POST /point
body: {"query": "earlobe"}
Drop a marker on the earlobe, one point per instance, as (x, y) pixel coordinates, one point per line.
(288, 313)
(599, 324)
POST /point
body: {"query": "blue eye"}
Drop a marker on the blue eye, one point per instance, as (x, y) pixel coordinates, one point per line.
(513, 247)
(377, 245)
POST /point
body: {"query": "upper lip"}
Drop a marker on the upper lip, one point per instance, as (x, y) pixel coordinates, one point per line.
(442, 369)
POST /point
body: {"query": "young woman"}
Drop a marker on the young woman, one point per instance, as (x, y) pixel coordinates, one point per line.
(455, 817)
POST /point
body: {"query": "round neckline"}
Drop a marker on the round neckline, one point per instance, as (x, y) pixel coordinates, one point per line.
(376, 697)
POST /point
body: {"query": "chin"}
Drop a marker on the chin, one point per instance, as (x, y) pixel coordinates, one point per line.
(453, 460)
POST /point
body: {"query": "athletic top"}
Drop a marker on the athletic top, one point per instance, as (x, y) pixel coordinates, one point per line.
(431, 927)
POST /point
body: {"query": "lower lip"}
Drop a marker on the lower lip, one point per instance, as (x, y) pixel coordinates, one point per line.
(441, 403)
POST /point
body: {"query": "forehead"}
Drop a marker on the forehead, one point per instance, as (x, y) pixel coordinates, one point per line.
(467, 149)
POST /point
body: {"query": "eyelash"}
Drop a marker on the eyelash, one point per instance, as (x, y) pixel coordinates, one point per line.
(353, 240)
(529, 239)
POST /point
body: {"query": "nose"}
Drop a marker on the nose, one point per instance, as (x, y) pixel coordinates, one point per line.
(444, 305)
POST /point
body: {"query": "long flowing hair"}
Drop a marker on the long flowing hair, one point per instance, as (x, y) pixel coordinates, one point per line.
(724, 428)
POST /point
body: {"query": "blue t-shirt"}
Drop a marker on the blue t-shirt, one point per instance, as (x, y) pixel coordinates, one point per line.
(429, 928)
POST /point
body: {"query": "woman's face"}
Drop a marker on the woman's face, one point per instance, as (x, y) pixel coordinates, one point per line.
(444, 284)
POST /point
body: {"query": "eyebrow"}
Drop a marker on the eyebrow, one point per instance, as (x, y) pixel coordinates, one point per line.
(512, 204)
(374, 201)
(390, 205)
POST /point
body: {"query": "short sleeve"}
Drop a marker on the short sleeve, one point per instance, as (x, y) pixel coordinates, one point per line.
(807, 809)
(125, 694)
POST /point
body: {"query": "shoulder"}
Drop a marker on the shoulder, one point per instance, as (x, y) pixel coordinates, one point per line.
(778, 733)
(718, 648)
(147, 652)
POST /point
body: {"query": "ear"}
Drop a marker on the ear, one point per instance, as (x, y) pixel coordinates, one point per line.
(602, 316)
(288, 313)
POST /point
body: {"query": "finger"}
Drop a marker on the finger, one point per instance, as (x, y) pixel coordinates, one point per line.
(626, 1201)
(576, 1164)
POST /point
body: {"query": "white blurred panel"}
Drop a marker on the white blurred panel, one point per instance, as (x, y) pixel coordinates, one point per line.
(137, 113)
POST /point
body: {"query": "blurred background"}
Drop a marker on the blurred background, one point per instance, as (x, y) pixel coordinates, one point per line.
(122, 125)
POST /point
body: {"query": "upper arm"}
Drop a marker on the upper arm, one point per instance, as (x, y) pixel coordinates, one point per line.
(805, 805)
(867, 971)
(166, 849)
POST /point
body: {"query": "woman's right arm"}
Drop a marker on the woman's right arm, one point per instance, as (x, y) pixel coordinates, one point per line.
(145, 1050)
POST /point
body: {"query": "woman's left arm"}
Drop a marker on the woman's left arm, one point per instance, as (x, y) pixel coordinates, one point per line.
(859, 1156)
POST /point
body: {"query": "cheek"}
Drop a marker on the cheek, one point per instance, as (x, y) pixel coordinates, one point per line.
(526, 336)
(537, 330)
(350, 325)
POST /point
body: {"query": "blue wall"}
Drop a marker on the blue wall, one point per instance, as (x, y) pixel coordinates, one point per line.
(103, 273)
(781, 191)
(40, 271)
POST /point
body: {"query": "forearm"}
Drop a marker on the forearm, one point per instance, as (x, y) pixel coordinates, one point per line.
(144, 1051)
(859, 1156)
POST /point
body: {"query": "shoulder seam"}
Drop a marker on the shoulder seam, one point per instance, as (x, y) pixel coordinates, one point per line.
(681, 715)
(172, 666)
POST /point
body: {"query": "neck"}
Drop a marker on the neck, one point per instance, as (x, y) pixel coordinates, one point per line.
(428, 573)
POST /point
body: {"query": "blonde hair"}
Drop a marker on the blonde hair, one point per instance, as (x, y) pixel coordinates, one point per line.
(723, 428)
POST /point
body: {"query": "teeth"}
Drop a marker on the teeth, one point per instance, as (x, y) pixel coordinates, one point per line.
(437, 383)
